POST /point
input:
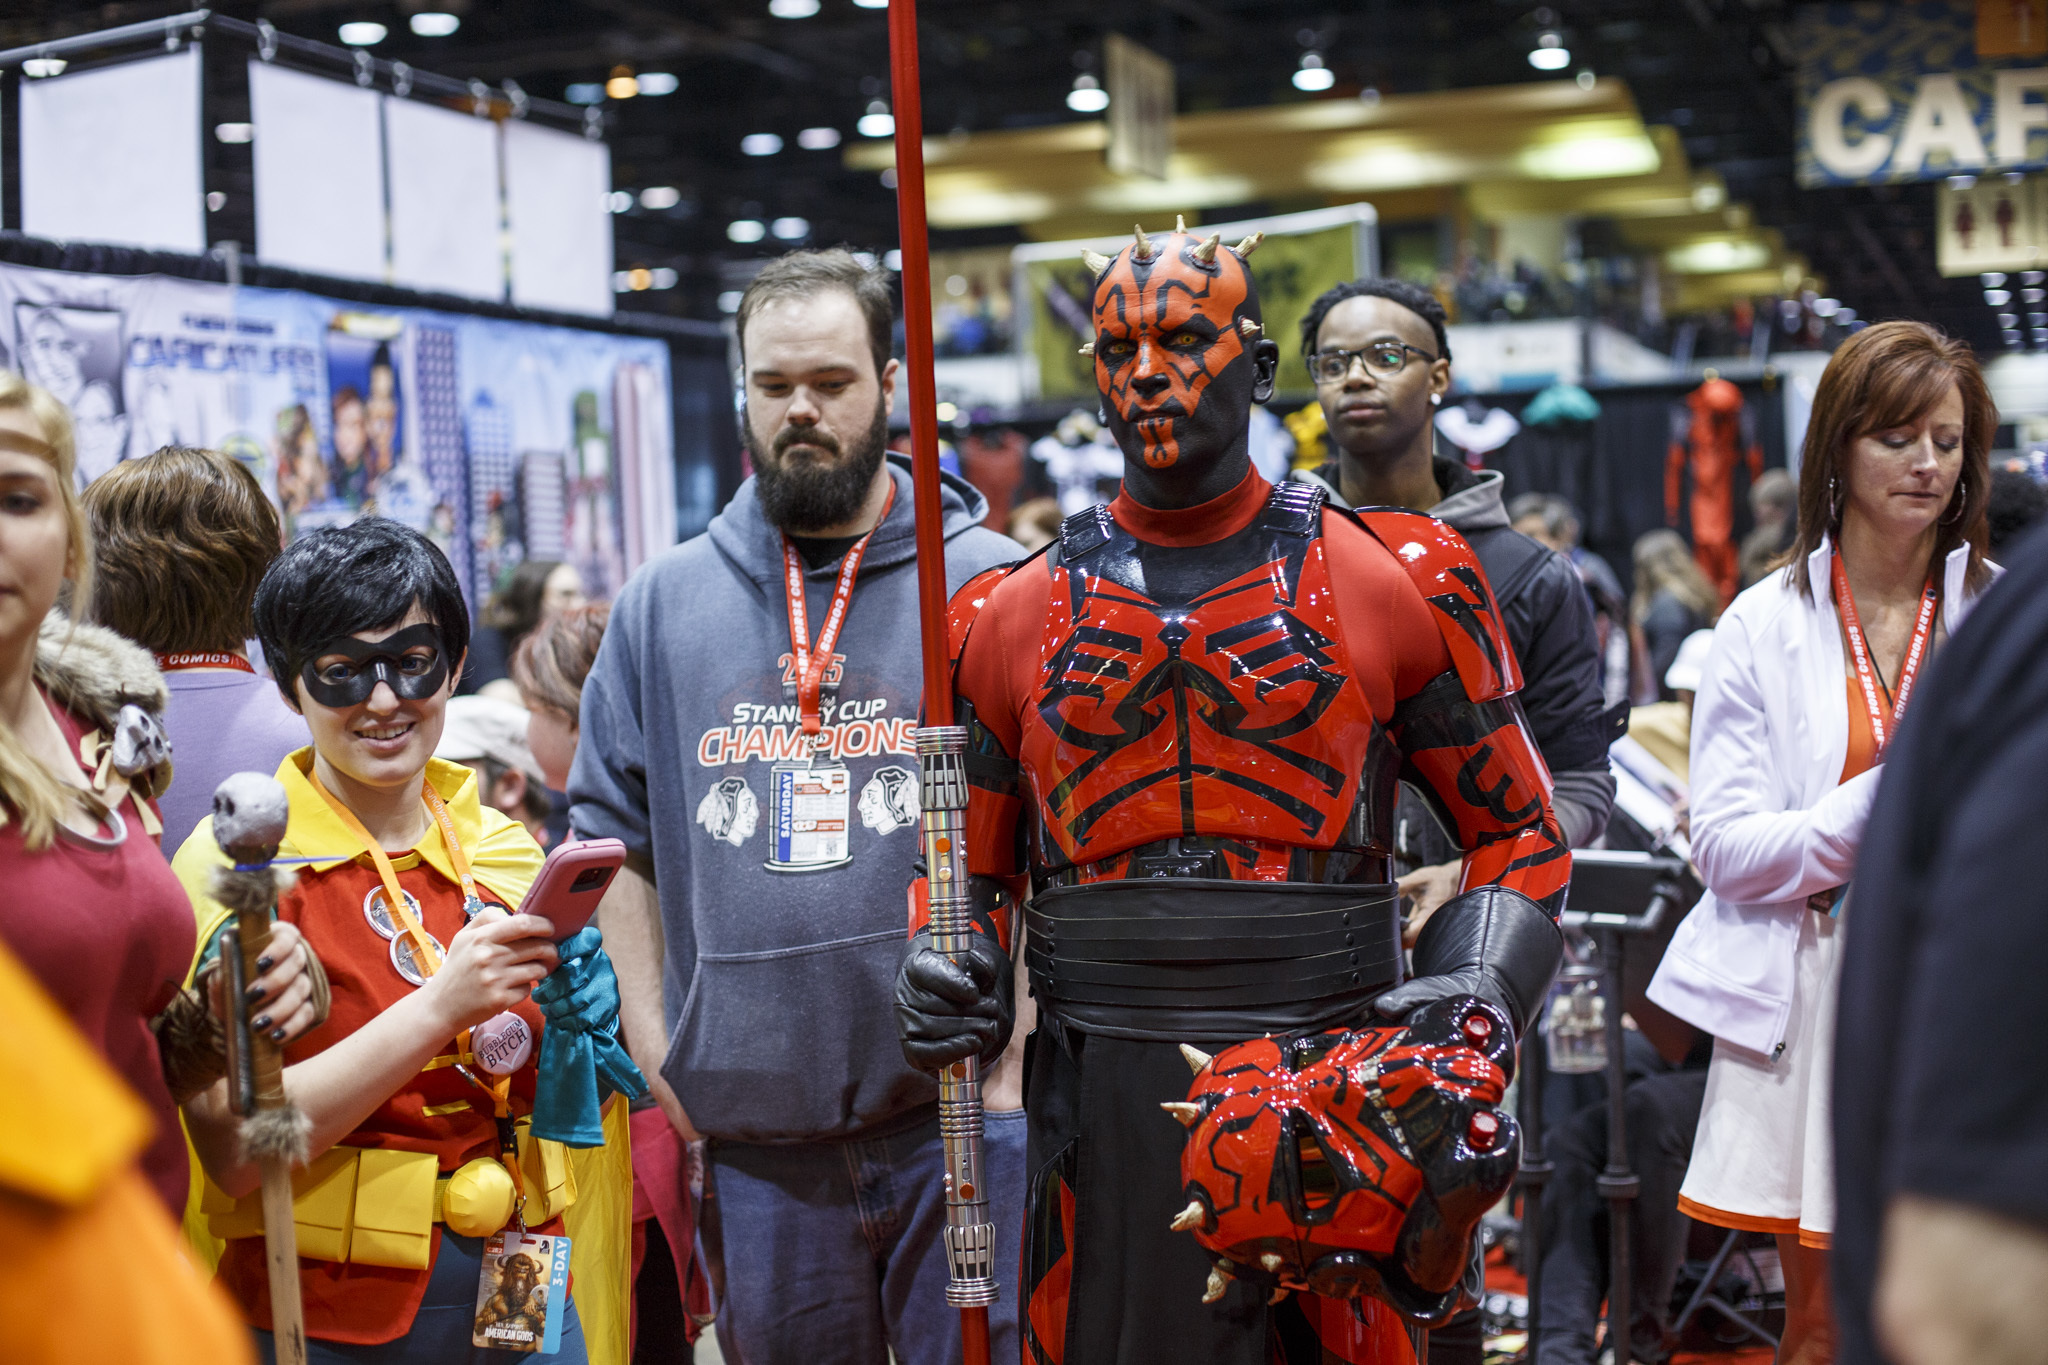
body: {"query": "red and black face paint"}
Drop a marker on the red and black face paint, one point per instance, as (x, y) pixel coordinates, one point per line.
(1170, 317)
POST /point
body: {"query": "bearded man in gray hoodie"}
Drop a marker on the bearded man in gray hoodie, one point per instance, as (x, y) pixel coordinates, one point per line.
(1381, 359)
(749, 731)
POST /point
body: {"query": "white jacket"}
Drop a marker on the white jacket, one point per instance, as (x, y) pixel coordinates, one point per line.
(1770, 823)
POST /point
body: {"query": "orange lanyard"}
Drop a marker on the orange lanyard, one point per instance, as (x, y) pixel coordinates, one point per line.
(1916, 652)
(429, 959)
(812, 664)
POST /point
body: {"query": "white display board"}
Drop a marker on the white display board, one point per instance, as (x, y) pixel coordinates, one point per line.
(114, 155)
(445, 219)
(319, 156)
(555, 189)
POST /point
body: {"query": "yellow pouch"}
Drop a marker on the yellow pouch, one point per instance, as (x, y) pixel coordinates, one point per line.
(550, 1183)
(479, 1198)
(323, 1206)
(394, 1210)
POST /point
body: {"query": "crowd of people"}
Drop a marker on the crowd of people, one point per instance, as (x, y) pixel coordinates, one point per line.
(754, 1137)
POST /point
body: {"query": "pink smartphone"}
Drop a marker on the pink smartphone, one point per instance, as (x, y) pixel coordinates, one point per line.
(572, 882)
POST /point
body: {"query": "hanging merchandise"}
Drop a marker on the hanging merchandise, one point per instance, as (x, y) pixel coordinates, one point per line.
(1710, 434)
(1560, 405)
(1084, 464)
(1477, 431)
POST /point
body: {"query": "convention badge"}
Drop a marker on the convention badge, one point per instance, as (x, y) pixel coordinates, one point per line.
(1829, 902)
(501, 1043)
(521, 1292)
(809, 803)
(377, 910)
(405, 957)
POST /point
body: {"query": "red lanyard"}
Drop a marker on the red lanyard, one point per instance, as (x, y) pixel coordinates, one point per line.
(195, 658)
(1916, 651)
(813, 664)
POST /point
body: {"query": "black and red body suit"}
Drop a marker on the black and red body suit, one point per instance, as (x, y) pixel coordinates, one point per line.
(1186, 732)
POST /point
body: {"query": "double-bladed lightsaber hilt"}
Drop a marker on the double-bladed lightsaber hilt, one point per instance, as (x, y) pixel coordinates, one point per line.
(970, 1231)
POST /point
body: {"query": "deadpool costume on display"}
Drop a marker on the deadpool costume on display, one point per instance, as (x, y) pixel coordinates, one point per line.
(1187, 718)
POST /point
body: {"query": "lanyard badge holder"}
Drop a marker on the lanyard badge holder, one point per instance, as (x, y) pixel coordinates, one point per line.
(810, 800)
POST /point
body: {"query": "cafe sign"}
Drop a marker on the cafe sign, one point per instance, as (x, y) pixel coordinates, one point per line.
(1921, 91)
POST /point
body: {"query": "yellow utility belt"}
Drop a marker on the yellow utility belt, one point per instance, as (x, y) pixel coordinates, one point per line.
(376, 1206)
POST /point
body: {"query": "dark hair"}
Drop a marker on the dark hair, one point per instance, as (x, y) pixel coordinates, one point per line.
(346, 579)
(514, 608)
(1557, 515)
(801, 274)
(1413, 297)
(1882, 377)
(180, 540)
(550, 665)
(2016, 503)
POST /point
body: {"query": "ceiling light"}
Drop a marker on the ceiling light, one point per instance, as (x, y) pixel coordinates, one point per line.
(2034, 295)
(871, 4)
(660, 197)
(215, 201)
(621, 86)
(889, 178)
(1998, 298)
(658, 83)
(729, 301)
(585, 92)
(790, 229)
(2008, 320)
(235, 134)
(39, 67)
(1586, 79)
(639, 277)
(892, 260)
(947, 412)
(665, 278)
(1087, 96)
(363, 33)
(877, 121)
(2011, 338)
(435, 24)
(1312, 74)
(1991, 279)
(1826, 308)
(1962, 182)
(1369, 96)
(2033, 276)
(1550, 53)
(760, 144)
(818, 139)
(618, 201)
(745, 230)
(792, 9)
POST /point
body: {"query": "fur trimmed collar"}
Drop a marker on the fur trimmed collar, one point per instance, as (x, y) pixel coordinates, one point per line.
(92, 672)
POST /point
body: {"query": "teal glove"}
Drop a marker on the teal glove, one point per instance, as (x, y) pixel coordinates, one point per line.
(580, 1046)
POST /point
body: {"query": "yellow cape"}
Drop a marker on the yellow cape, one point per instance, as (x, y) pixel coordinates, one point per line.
(504, 859)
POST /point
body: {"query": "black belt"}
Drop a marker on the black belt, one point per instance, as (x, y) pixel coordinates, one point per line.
(1197, 959)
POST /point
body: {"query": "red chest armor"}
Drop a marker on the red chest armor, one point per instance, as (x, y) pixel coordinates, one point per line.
(1200, 693)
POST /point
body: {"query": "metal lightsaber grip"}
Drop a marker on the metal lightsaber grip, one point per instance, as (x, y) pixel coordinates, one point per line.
(970, 1232)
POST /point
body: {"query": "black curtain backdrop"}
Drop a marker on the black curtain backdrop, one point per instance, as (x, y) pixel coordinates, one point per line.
(1612, 469)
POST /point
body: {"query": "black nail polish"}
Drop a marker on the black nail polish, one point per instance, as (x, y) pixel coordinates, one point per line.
(277, 1034)
(264, 964)
(253, 994)
(260, 1022)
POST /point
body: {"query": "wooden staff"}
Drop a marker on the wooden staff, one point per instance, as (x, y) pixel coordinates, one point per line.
(249, 814)
(941, 745)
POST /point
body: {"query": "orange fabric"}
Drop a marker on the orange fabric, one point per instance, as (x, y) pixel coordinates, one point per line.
(109, 1280)
(1862, 755)
(1749, 1222)
(364, 1303)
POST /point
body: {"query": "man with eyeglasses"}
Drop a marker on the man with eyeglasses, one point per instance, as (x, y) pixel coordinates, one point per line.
(1381, 361)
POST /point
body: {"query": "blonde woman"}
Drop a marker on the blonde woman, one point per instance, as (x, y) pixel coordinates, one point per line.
(1810, 671)
(1672, 600)
(91, 907)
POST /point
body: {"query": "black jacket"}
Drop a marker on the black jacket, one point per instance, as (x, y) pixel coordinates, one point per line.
(1549, 621)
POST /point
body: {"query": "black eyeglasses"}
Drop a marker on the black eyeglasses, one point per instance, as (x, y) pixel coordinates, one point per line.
(1383, 358)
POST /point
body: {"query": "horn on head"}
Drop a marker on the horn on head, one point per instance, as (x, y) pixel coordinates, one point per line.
(1250, 244)
(1143, 250)
(1206, 251)
(1095, 261)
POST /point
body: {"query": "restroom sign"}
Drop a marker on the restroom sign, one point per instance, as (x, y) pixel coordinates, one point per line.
(1921, 91)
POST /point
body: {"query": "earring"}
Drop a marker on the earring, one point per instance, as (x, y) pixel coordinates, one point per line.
(1834, 497)
(1436, 400)
(1962, 501)
(1101, 415)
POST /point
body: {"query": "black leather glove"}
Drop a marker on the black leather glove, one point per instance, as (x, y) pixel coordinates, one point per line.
(1490, 942)
(946, 1010)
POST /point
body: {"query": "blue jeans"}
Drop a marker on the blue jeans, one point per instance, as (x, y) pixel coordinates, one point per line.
(441, 1330)
(833, 1253)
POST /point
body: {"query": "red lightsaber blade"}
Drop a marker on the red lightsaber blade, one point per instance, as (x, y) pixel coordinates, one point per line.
(941, 745)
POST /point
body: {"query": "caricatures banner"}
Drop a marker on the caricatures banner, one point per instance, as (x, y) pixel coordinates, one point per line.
(502, 440)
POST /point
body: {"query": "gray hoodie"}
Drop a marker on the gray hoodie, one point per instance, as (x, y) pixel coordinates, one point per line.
(778, 986)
